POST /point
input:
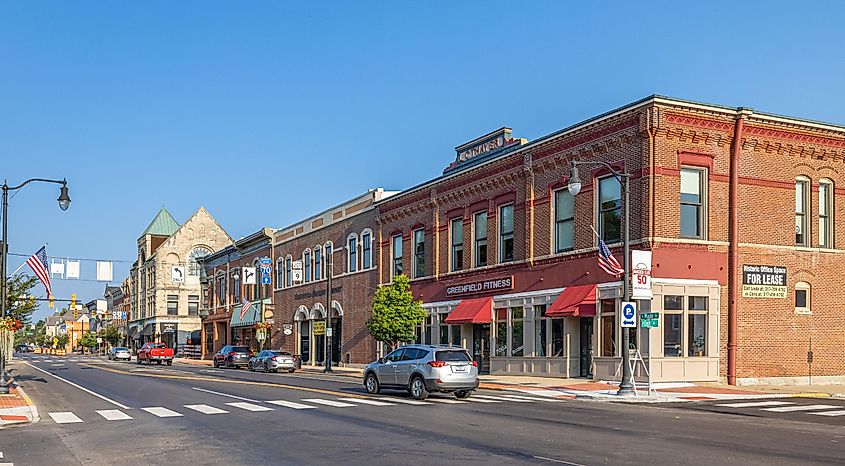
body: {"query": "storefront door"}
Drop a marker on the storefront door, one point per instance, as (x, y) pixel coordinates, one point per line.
(481, 347)
(586, 353)
(337, 325)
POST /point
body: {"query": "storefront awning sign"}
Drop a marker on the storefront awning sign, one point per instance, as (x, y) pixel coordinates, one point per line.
(574, 301)
(472, 311)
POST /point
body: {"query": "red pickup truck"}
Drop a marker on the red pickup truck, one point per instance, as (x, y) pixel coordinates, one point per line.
(158, 352)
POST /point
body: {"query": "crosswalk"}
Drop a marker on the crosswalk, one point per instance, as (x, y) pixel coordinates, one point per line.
(259, 406)
(828, 410)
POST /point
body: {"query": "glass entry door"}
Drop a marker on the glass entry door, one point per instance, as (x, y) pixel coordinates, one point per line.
(481, 347)
(586, 353)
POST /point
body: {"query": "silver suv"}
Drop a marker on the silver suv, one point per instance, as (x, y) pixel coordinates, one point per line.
(421, 369)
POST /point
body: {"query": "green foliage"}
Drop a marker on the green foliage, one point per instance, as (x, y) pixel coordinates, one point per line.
(18, 288)
(41, 333)
(63, 338)
(111, 335)
(395, 313)
(89, 340)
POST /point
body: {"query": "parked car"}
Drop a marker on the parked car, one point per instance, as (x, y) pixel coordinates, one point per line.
(158, 352)
(23, 349)
(232, 356)
(272, 361)
(422, 369)
(119, 352)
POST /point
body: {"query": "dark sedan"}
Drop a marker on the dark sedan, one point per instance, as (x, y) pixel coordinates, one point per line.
(232, 356)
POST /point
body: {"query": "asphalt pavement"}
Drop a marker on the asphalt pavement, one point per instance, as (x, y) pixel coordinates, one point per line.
(101, 412)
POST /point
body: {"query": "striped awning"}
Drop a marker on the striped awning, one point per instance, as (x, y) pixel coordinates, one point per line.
(250, 318)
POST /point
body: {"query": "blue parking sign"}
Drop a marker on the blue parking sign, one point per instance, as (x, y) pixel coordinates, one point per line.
(629, 314)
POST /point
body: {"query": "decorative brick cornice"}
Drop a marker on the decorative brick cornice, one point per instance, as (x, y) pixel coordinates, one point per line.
(570, 142)
(688, 120)
(794, 136)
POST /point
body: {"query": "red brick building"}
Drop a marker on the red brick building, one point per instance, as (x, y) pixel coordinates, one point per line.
(737, 208)
(339, 241)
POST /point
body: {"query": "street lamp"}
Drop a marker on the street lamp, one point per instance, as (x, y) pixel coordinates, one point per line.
(626, 387)
(329, 272)
(64, 203)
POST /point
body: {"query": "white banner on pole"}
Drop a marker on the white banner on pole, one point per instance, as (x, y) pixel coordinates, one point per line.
(57, 268)
(640, 274)
(72, 269)
(104, 271)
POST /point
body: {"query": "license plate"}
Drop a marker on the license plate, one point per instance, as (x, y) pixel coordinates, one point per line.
(459, 368)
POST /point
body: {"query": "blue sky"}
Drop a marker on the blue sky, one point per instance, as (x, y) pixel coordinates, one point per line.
(266, 112)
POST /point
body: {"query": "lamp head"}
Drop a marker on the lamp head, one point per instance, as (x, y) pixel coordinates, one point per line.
(64, 199)
(574, 180)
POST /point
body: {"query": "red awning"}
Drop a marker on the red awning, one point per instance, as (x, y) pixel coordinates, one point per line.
(574, 301)
(472, 311)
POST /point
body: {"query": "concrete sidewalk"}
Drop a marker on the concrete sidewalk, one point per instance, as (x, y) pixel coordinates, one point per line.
(16, 407)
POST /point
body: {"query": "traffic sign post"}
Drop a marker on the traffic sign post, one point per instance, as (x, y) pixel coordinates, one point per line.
(629, 314)
(650, 320)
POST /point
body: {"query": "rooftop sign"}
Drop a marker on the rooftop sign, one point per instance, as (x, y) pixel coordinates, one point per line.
(489, 143)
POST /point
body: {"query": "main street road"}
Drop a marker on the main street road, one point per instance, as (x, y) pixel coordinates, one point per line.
(99, 412)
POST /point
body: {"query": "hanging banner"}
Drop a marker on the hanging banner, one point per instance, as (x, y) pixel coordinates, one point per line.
(72, 269)
(104, 271)
(57, 268)
(640, 274)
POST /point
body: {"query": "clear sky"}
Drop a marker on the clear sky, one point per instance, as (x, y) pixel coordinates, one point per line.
(267, 112)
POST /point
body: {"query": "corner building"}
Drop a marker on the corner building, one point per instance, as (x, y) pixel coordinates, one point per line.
(737, 207)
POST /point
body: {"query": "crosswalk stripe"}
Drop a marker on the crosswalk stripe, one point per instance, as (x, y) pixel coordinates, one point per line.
(499, 398)
(476, 399)
(447, 401)
(530, 398)
(320, 401)
(789, 409)
(249, 406)
(205, 409)
(404, 401)
(756, 404)
(291, 404)
(114, 415)
(65, 417)
(367, 402)
(161, 412)
(840, 412)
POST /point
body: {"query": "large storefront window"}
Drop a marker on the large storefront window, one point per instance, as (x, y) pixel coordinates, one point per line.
(608, 327)
(673, 316)
(697, 328)
(540, 331)
(501, 332)
(517, 331)
(510, 339)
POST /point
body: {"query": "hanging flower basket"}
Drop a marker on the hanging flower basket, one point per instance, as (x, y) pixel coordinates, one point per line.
(9, 324)
(263, 326)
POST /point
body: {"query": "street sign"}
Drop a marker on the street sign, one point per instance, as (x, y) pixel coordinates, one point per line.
(319, 327)
(329, 332)
(629, 314)
(265, 261)
(248, 275)
(260, 335)
(266, 270)
(266, 280)
(650, 320)
(177, 274)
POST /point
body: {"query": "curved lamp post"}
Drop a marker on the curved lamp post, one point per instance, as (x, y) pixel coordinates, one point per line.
(626, 387)
(64, 203)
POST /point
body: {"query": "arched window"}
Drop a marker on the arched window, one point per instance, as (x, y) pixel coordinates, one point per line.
(288, 275)
(280, 273)
(802, 298)
(328, 248)
(318, 262)
(193, 258)
(802, 213)
(306, 265)
(366, 249)
(352, 253)
(825, 213)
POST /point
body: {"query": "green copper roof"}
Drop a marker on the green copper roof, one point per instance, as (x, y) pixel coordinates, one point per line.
(163, 224)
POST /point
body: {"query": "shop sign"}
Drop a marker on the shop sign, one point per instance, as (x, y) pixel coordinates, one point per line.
(489, 143)
(317, 293)
(287, 329)
(641, 274)
(763, 281)
(167, 328)
(480, 286)
(319, 327)
(650, 320)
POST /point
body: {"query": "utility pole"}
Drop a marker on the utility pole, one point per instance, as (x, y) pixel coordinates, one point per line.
(329, 273)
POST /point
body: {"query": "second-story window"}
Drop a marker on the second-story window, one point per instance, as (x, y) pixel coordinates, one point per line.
(288, 266)
(419, 253)
(366, 250)
(610, 209)
(236, 291)
(397, 255)
(318, 263)
(564, 221)
(306, 265)
(801, 193)
(479, 228)
(692, 203)
(329, 259)
(352, 248)
(506, 233)
(221, 290)
(456, 233)
(825, 213)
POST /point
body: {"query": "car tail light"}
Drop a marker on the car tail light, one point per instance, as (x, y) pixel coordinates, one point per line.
(475, 363)
(231, 353)
(437, 363)
(277, 358)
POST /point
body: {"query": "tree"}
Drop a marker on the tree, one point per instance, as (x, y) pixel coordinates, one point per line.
(111, 335)
(89, 340)
(63, 340)
(18, 306)
(395, 313)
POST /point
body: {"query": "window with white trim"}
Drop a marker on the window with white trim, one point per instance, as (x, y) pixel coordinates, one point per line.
(318, 263)
(693, 194)
(419, 253)
(352, 253)
(366, 250)
(456, 235)
(506, 233)
(564, 221)
(479, 228)
(306, 266)
(802, 193)
(396, 254)
(288, 267)
(802, 298)
(280, 273)
(610, 209)
(825, 213)
(329, 259)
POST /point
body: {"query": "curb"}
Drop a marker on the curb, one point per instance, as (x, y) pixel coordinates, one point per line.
(32, 408)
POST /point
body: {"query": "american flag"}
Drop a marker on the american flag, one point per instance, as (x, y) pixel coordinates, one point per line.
(245, 307)
(38, 264)
(607, 262)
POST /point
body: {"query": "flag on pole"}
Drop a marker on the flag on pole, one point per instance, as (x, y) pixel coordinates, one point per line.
(38, 264)
(607, 262)
(245, 307)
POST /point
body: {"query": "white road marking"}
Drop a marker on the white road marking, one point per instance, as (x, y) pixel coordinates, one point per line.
(211, 371)
(205, 409)
(756, 404)
(403, 401)
(114, 415)
(57, 365)
(1, 455)
(840, 412)
(161, 412)
(119, 405)
(789, 409)
(320, 401)
(447, 401)
(476, 399)
(249, 406)
(554, 460)
(367, 402)
(530, 398)
(291, 404)
(64, 417)
(499, 398)
(226, 394)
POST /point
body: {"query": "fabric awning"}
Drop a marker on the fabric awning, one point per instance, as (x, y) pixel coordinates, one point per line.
(252, 316)
(574, 301)
(472, 311)
(134, 332)
(149, 329)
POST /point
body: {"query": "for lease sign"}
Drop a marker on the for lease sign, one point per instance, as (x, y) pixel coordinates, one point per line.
(763, 281)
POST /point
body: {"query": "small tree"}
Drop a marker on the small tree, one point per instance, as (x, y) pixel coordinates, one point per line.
(395, 313)
(111, 335)
(62, 340)
(89, 340)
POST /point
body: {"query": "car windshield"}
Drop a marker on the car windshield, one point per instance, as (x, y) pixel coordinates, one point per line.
(450, 356)
(120, 348)
(240, 349)
(279, 353)
(158, 345)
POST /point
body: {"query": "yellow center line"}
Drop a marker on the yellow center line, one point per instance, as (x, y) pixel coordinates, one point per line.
(213, 379)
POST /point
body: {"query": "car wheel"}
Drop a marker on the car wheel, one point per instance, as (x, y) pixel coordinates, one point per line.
(463, 394)
(266, 367)
(371, 384)
(290, 371)
(170, 363)
(418, 390)
(158, 362)
(139, 360)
